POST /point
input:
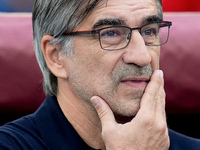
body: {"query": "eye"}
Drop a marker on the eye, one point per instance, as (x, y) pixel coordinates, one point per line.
(109, 33)
(150, 32)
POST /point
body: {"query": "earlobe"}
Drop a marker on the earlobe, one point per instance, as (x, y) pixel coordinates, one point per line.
(55, 60)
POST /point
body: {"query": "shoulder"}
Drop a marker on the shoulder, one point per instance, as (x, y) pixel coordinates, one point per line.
(21, 134)
(182, 142)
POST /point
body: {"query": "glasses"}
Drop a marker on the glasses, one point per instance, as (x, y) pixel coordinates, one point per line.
(118, 37)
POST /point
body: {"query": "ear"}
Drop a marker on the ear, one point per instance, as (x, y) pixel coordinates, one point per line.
(55, 60)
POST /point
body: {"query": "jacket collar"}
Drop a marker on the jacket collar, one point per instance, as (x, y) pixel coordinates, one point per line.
(55, 129)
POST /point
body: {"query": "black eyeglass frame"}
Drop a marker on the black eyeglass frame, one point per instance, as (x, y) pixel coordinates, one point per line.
(97, 31)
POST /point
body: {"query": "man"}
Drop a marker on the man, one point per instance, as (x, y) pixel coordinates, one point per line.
(100, 61)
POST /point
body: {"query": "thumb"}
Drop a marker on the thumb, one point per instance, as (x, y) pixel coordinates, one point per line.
(103, 110)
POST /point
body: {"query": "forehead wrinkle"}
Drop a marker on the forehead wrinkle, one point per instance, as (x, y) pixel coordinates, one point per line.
(132, 5)
(106, 9)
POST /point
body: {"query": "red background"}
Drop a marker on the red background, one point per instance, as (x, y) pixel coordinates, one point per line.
(181, 5)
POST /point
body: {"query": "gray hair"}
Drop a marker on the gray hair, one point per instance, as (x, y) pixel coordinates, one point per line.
(54, 17)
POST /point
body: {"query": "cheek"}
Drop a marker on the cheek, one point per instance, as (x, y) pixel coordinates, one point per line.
(92, 67)
(92, 58)
(87, 43)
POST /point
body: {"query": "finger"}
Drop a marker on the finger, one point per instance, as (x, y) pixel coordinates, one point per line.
(104, 112)
(160, 110)
(149, 99)
(160, 107)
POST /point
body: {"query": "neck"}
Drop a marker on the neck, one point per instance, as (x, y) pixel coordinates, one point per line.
(83, 118)
(123, 119)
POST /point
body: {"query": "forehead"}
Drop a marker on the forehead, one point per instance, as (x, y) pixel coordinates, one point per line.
(130, 11)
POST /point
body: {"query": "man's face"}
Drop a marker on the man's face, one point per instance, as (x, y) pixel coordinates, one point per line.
(119, 77)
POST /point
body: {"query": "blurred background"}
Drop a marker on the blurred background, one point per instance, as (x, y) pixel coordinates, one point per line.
(168, 5)
(16, 5)
(26, 102)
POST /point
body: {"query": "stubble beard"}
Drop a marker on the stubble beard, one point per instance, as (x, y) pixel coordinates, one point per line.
(126, 106)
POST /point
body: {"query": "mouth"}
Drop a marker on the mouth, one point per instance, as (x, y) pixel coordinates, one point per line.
(136, 82)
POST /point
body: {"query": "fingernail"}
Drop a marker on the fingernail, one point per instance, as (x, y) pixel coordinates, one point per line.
(95, 101)
(159, 73)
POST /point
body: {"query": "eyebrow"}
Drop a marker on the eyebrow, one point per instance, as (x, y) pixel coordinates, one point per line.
(151, 19)
(108, 21)
(118, 21)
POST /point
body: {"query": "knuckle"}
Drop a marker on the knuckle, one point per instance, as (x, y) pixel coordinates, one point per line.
(162, 127)
(148, 120)
(102, 113)
(164, 136)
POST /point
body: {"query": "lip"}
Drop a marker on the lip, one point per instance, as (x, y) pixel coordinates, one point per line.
(136, 82)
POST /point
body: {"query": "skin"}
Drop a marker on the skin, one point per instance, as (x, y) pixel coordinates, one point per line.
(147, 130)
(114, 81)
(103, 71)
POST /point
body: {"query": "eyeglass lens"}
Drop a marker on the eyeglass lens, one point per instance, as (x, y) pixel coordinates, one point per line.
(114, 38)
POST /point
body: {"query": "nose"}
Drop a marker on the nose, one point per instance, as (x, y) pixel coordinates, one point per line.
(137, 52)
